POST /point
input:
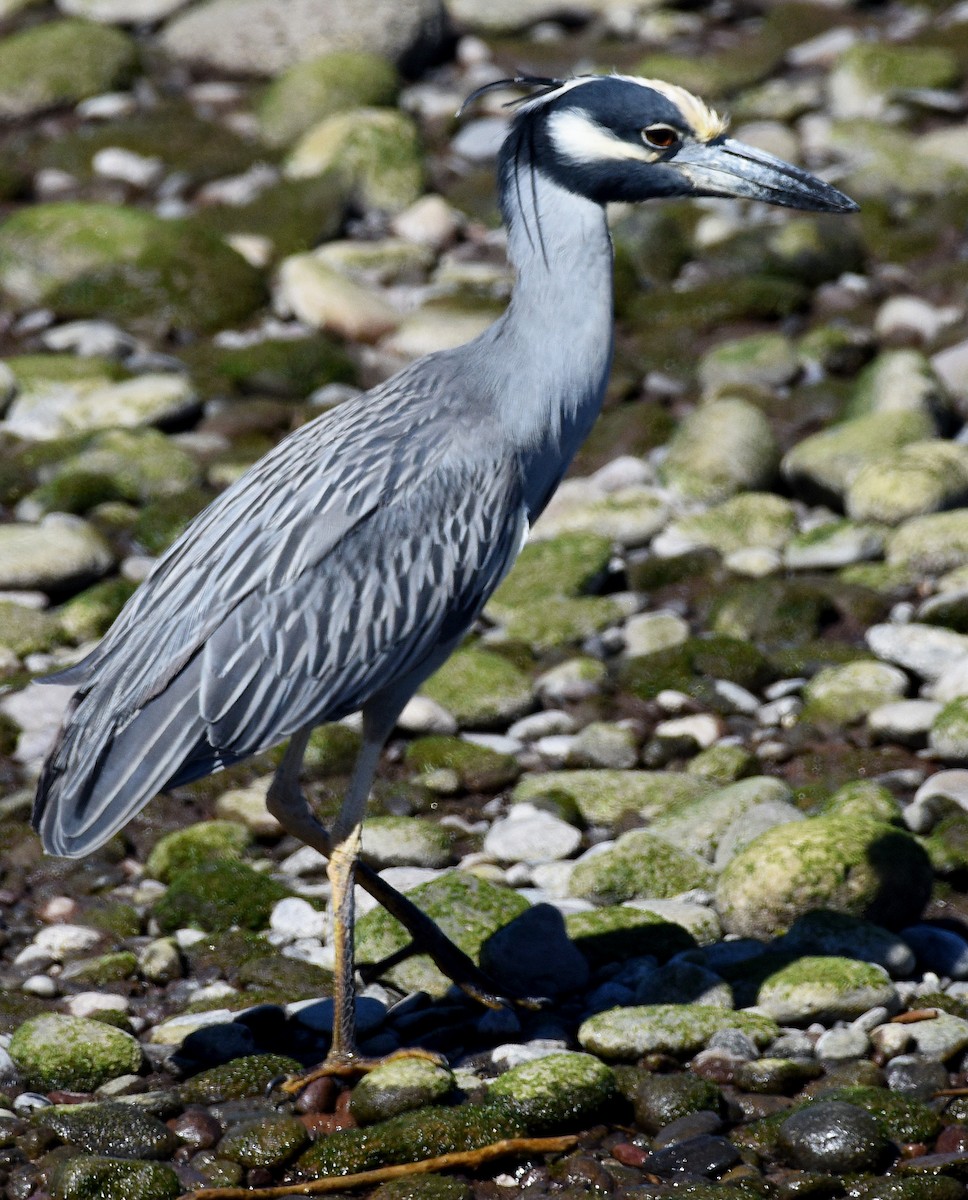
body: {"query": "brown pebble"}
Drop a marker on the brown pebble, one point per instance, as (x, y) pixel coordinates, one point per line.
(258, 1177)
(318, 1124)
(58, 908)
(70, 1097)
(913, 1149)
(953, 1138)
(318, 1096)
(196, 1127)
(342, 1117)
(629, 1155)
(715, 1067)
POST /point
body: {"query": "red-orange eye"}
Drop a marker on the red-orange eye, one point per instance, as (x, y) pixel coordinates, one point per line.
(661, 137)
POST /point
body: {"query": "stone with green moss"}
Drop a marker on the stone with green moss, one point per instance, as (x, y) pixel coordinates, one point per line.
(318, 88)
(288, 368)
(661, 1099)
(58, 63)
(932, 544)
(724, 447)
(949, 731)
(828, 988)
(697, 825)
(161, 522)
(482, 689)
(867, 77)
(904, 1119)
(640, 865)
(765, 359)
(118, 1130)
(147, 399)
(846, 694)
(834, 544)
(268, 1141)
(630, 516)
(680, 1029)
(194, 845)
(467, 908)
(824, 465)
(216, 895)
(617, 933)
(121, 920)
(238, 1079)
(72, 1053)
(899, 381)
(59, 554)
(98, 1177)
(693, 666)
(27, 630)
(405, 842)
(332, 749)
(602, 797)
(91, 613)
(434, 1187)
(377, 150)
(847, 864)
(558, 1091)
(124, 264)
(398, 1086)
(722, 764)
(863, 798)
(105, 969)
(751, 519)
(478, 768)
(780, 611)
(893, 159)
(924, 477)
(411, 1137)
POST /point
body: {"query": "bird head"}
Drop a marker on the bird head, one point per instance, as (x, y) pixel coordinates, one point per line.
(616, 137)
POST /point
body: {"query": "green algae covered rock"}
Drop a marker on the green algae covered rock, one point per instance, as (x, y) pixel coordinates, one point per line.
(923, 477)
(27, 631)
(845, 694)
(196, 844)
(93, 1177)
(91, 613)
(118, 1130)
(377, 149)
(639, 865)
(59, 63)
(478, 768)
(266, 1141)
(697, 825)
(750, 519)
(74, 1053)
(932, 544)
(467, 909)
(399, 1086)
(724, 447)
(661, 1099)
(406, 842)
(903, 1119)
(601, 797)
(124, 264)
(235, 1080)
(899, 381)
(824, 988)
(217, 895)
(847, 864)
(439, 1187)
(319, 87)
(949, 731)
(863, 798)
(559, 1091)
(480, 688)
(766, 359)
(681, 1029)
(616, 933)
(412, 1136)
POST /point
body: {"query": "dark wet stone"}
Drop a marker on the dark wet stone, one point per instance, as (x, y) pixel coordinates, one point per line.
(660, 1099)
(267, 1142)
(903, 1119)
(917, 1077)
(318, 1096)
(533, 955)
(924, 1188)
(215, 1044)
(776, 1076)
(117, 1130)
(196, 1128)
(92, 1177)
(953, 1139)
(218, 1172)
(690, 1126)
(832, 1136)
(244, 1077)
(423, 1187)
(706, 1154)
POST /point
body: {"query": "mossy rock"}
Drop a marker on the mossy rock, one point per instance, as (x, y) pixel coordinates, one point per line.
(118, 1130)
(641, 865)
(661, 1099)
(194, 845)
(294, 214)
(237, 1080)
(72, 1053)
(766, 359)
(724, 447)
(222, 955)
(377, 150)
(891, 69)
(930, 545)
(398, 1086)
(482, 689)
(681, 1029)
(698, 825)
(290, 368)
(162, 521)
(433, 1187)
(126, 265)
(217, 895)
(332, 750)
(824, 988)
(292, 978)
(121, 920)
(114, 967)
(479, 768)
(61, 62)
(268, 1141)
(750, 519)
(617, 933)
(559, 1091)
(773, 612)
(28, 630)
(602, 797)
(91, 613)
(843, 695)
(467, 909)
(903, 1119)
(847, 864)
(95, 1177)
(411, 1137)
(692, 666)
(319, 87)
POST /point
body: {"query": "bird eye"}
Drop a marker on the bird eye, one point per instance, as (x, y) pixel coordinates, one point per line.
(661, 137)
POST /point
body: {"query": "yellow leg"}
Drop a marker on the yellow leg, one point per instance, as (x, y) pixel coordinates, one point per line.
(341, 872)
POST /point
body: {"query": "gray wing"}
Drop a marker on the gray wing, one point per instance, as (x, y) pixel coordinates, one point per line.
(321, 593)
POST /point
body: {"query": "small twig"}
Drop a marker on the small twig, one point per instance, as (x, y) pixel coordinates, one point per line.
(337, 1183)
(953, 1091)
(916, 1014)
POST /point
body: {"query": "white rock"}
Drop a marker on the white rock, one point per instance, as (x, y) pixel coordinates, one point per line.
(325, 299)
(647, 632)
(951, 683)
(846, 1042)
(40, 985)
(294, 918)
(174, 1031)
(248, 805)
(529, 834)
(702, 728)
(925, 649)
(429, 330)
(933, 798)
(542, 724)
(125, 166)
(421, 715)
(88, 338)
(58, 410)
(87, 1004)
(429, 222)
(911, 314)
(623, 472)
(906, 721)
(60, 941)
(121, 12)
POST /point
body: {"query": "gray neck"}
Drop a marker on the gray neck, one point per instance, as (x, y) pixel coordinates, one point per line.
(548, 357)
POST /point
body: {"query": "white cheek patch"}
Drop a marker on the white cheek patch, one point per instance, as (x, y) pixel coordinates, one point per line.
(576, 136)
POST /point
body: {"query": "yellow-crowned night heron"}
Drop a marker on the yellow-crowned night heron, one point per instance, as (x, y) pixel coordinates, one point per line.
(341, 570)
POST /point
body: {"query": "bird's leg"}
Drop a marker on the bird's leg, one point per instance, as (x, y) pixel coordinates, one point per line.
(287, 803)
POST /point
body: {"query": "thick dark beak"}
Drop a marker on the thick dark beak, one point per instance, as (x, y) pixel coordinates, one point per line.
(729, 168)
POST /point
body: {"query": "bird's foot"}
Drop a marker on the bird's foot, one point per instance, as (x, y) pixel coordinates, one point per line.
(347, 1066)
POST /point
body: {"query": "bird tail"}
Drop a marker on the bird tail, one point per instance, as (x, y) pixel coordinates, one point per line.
(104, 768)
